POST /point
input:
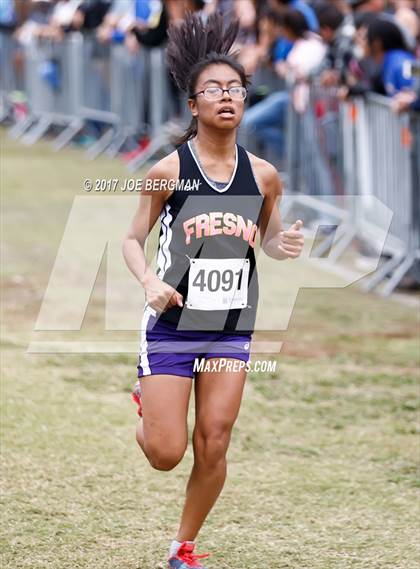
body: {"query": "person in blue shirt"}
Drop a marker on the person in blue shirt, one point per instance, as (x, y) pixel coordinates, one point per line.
(8, 18)
(122, 16)
(386, 45)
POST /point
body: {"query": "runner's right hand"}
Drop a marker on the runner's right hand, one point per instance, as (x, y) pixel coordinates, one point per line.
(161, 296)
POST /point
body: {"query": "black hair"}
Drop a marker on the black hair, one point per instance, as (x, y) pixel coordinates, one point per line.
(296, 22)
(194, 45)
(388, 33)
(273, 15)
(329, 16)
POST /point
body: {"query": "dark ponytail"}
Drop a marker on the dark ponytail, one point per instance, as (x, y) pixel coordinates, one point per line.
(193, 46)
(191, 132)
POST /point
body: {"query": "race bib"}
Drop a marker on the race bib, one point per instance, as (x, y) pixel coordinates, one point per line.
(218, 284)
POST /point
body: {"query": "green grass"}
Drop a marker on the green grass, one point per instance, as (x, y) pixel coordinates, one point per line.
(324, 460)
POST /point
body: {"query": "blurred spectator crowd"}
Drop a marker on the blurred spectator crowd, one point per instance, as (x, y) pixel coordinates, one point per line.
(353, 46)
(342, 48)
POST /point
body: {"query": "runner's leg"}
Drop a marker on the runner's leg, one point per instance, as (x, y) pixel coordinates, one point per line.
(162, 433)
(217, 399)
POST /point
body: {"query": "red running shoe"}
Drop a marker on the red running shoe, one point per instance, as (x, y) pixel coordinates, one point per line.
(185, 558)
(136, 397)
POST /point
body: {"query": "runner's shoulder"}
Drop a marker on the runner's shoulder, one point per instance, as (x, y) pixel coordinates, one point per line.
(267, 175)
(157, 177)
(166, 168)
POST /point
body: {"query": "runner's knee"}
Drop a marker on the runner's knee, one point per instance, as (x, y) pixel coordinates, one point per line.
(211, 444)
(163, 458)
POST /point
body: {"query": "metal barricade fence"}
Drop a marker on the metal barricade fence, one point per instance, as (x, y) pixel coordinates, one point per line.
(319, 153)
(77, 80)
(96, 80)
(52, 85)
(335, 149)
(9, 80)
(95, 88)
(121, 79)
(388, 177)
(165, 123)
(315, 149)
(415, 178)
(393, 177)
(374, 153)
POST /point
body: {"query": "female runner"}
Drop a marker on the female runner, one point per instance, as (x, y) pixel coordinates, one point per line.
(201, 305)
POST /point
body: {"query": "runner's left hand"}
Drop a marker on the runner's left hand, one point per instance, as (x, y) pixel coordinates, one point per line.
(292, 240)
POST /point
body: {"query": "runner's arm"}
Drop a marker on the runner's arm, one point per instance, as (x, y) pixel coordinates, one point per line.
(149, 207)
(271, 187)
(275, 241)
(159, 295)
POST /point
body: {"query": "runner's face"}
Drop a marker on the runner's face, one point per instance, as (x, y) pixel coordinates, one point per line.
(225, 112)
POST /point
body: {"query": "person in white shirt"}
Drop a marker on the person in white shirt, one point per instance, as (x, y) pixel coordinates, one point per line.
(308, 49)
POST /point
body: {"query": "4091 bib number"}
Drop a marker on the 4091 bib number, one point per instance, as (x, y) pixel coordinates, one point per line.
(218, 284)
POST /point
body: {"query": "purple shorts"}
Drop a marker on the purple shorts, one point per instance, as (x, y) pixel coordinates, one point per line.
(166, 350)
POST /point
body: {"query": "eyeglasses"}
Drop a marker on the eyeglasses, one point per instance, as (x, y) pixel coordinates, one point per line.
(214, 93)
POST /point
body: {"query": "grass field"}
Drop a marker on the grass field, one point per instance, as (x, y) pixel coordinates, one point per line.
(323, 466)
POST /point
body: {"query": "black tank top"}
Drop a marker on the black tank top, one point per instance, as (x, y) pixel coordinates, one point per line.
(206, 247)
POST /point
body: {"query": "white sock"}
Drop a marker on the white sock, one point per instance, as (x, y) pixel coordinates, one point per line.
(175, 545)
